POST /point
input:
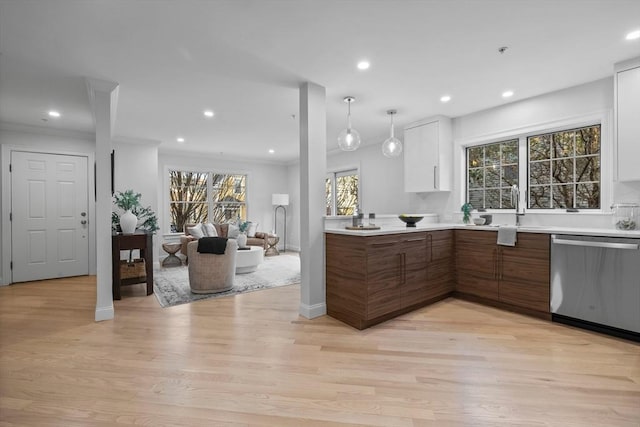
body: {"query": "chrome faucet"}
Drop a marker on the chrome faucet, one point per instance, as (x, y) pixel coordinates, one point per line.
(515, 200)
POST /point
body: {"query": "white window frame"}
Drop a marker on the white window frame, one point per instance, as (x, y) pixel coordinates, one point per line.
(343, 171)
(603, 117)
(167, 184)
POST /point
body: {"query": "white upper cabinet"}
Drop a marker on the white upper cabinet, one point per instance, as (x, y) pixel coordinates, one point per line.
(428, 150)
(627, 121)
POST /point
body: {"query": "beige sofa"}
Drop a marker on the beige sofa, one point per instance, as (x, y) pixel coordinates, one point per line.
(260, 238)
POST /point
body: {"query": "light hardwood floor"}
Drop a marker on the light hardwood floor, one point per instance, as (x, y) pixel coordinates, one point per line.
(251, 360)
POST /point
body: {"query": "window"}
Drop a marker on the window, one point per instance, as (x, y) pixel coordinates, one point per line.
(205, 197)
(491, 171)
(342, 192)
(564, 169)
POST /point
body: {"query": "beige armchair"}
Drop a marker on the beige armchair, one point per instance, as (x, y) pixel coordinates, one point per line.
(211, 273)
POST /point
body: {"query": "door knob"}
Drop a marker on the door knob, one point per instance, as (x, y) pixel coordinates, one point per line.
(83, 214)
(83, 222)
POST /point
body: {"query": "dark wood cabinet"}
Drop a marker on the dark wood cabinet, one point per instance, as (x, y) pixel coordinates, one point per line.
(373, 278)
(516, 277)
(139, 240)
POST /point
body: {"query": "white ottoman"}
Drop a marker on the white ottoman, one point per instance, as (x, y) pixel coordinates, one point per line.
(249, 260)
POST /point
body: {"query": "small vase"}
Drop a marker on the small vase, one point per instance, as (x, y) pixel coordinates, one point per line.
(128, 222)
(242, 240)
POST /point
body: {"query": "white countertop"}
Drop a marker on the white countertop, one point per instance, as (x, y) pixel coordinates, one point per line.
(393, 229)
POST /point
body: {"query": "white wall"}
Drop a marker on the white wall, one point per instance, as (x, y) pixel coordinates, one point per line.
(381, 179)
(263, 179)
(136, 168)
(510, 119)
(293, 210)
(47, 141)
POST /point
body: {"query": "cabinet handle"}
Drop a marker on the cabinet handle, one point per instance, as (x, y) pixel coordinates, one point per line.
(495, 264)
(382, 245)
(415, 240)
(435, 169)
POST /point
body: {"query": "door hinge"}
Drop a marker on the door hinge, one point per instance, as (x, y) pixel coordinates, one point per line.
(11, 265)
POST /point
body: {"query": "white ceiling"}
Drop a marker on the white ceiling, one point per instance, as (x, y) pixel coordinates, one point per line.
(245, 59)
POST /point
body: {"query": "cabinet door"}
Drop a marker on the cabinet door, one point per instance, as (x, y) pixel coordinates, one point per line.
(414, 279)
(628, 125)
(524, 272)
(384, 276)
(440, 268)
(477, 263)
(421, 158)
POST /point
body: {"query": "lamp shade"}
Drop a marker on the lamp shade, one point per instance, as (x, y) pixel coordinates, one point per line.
(280, 199)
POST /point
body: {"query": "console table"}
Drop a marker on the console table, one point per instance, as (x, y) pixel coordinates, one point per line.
(122, 242)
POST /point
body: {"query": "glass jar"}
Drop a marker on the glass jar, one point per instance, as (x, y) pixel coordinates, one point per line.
(625, 215)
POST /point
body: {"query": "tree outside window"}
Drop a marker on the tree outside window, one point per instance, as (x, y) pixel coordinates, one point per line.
(190, 201)
(564, 169)
(342, 192)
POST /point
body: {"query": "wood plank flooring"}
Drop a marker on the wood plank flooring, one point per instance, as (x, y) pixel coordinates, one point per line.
(250, 360)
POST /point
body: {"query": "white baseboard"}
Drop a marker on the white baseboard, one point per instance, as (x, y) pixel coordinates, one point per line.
(313, 311)
(104, 313)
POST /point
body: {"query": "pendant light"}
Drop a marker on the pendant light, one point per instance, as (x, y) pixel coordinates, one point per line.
(392, 147)
(349, 138)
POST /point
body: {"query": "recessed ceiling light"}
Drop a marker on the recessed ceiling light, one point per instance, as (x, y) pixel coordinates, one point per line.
(271, 151)
(507, 94)
(54, 113)
(208, 113)
(180, 140)
(633, 35)
(445, 98)
(363, 65)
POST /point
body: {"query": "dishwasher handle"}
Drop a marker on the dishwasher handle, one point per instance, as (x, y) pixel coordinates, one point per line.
(594, 244)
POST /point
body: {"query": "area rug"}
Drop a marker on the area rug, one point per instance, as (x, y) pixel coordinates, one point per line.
(171, 284)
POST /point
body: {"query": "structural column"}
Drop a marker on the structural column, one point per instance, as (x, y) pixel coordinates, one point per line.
(104, 98)
(313, 169)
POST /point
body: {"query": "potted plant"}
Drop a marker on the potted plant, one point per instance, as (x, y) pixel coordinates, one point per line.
(127, 201)
(243, 226)
(466, 212)
(134, 215)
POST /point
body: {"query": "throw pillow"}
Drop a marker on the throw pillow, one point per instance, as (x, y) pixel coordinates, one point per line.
(233, 231)
(210, 230)
(251, 231)
(196, 231)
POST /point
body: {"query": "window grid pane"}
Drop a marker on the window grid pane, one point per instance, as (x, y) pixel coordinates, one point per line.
(205, 197)
(491, 171)
(569, 160)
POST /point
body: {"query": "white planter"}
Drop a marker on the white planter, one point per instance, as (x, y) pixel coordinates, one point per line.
(128, 222)
(242, 240)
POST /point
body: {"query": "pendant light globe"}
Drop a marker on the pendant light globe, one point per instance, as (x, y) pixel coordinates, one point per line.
(392, 146)
(349, 138)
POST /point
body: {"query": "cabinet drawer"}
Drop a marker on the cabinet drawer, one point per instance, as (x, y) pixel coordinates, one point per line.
(476, 237)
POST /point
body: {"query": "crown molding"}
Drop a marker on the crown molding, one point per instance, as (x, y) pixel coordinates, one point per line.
(65, 133)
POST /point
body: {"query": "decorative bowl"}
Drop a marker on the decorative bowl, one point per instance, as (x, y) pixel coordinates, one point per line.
(479, 221)
(487, 218)
(411, 219)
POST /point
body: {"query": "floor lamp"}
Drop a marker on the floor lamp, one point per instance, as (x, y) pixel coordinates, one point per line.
(280, 201)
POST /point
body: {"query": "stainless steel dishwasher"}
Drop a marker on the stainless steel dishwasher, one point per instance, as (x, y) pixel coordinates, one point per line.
(595, 283)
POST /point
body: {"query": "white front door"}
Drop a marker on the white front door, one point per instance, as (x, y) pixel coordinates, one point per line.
(49, 207)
